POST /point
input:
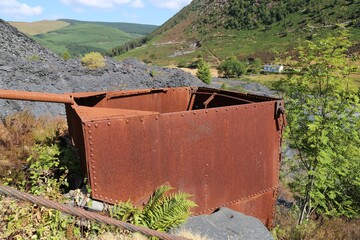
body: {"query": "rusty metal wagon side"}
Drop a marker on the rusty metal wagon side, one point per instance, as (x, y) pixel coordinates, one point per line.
(220, 146)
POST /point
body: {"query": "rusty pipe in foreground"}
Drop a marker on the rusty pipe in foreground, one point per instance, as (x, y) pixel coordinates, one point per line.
(36, 96)
(85, 214)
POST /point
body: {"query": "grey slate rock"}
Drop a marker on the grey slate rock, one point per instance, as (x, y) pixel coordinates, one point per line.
(226, 224)
(26, 65)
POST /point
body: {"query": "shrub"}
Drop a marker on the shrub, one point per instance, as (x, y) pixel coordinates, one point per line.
(66, 55)
(93, 60)
(203, 72)
(232, 67)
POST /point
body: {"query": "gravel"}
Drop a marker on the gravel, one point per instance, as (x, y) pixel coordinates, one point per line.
(26, 65)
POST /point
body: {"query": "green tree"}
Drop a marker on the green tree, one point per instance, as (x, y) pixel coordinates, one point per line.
(203, 72)
(324, 123)
(232, 67)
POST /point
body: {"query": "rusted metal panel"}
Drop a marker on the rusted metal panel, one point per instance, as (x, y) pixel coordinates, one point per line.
(225, 155)
(220, 146)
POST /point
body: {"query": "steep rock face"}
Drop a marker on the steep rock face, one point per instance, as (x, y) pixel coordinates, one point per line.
(25, 65)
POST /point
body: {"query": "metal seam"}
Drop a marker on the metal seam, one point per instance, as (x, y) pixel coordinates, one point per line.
(244, 198)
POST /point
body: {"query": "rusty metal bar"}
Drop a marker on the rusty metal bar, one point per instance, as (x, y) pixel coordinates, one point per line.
(85, 214)
(36, 96)
(137, 92)
(226, 96)
(206, 103)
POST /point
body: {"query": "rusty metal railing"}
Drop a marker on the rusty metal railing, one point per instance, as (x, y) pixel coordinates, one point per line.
(85, 214)
(36, 96)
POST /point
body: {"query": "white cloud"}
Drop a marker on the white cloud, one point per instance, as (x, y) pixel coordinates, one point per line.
(79, 10)
(170, 4)
(137, 4)
(103, 3)
(13, 8)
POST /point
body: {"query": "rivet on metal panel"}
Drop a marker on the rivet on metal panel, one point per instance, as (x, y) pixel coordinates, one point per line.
(96, 125)
(94, 178)
(142, 120)
(216, 110)
(183, 115)
(95, 184)
(91, 149)
(157, 118)
(205, 196)
(90, 137)
(254, 106)
(227, 109)
(96, 194)
(205, 185)
(111, 200)
(246, 107)
(90, 143)
(89, 131)
(93, 167)
(91, 155)
(108, 123)
(89, 125)
(207, 165)
(94, 172)
(237, 108)
(127, 121)
(106, 198)
(194, 113)
(206, 175)
(92, 162)
(206, 111)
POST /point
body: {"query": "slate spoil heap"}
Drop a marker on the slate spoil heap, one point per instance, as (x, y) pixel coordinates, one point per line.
(26, 65)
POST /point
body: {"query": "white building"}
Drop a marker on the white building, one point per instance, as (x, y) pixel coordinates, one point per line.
(273, 68)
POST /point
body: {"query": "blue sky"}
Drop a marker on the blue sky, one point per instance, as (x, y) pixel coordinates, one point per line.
(136, 11)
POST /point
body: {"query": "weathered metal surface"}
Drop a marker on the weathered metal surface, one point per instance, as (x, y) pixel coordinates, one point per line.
(224, 155)
(222, 147)
(35, 96)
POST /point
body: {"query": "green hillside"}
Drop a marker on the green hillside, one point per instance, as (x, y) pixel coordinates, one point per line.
(78, 38)
(130, 28)
(217, 29)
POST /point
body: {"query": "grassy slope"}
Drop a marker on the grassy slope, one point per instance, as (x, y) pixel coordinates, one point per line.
(39, 27)
(218, 43)
(79, 38)
(131, 28)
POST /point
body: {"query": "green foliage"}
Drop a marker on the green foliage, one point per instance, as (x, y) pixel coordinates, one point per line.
(161, 213)
(78, 38)
(255, 66)
(232, 67)
(203, 72)
(33, 58)
(324, 122)
(66, 55)
(93, 60)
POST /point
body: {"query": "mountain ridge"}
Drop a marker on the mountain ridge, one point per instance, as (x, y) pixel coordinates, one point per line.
(217, 29)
